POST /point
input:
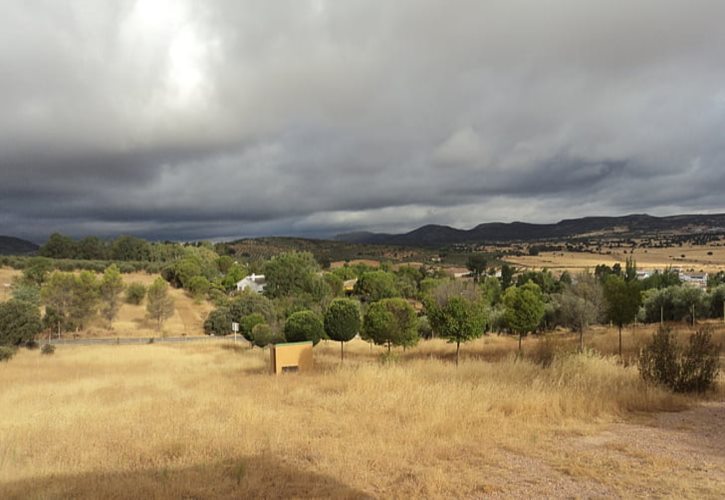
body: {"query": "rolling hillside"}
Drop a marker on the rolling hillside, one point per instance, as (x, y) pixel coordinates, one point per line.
(10, 245)
(630, 225)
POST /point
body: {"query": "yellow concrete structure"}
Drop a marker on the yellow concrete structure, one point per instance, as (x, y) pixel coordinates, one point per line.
(291, 357)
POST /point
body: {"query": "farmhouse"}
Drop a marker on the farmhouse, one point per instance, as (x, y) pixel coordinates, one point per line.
(253, 282)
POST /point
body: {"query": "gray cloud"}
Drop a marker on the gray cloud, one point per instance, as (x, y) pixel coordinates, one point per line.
(186, 119)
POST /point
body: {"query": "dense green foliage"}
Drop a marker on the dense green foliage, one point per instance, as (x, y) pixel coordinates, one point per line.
(524, 308)
(19, 322)
(135, 293)
(342, 321)
(376, 285)
(304, 325)
(391, 322)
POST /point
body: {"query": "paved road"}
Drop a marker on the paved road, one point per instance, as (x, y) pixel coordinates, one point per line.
(141, 340)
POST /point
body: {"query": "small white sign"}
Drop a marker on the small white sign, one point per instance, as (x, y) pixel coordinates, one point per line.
(235, 327)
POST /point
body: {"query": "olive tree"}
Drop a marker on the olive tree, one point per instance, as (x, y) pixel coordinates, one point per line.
(391, 322)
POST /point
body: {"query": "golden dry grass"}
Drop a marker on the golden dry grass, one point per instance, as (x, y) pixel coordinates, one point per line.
(695, 258)
(7, 276)
(206, 420)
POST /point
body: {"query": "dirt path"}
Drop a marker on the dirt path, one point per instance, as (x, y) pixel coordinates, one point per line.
(671, 455)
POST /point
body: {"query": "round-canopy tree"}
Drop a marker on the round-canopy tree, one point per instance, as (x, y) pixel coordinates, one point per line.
(342, 321)
(304, 325)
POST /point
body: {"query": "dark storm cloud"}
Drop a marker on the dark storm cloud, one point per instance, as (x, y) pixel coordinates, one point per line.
(186, 119)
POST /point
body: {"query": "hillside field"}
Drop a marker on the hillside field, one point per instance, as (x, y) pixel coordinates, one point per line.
(706, 258)
(187, 320)
(207, 420)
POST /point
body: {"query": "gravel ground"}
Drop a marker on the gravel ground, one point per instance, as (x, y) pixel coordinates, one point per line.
(670, 455)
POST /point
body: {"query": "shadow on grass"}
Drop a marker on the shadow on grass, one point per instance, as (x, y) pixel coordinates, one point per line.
(249, 477)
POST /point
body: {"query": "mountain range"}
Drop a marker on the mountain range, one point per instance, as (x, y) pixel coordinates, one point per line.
(499, 232)
(9, 245)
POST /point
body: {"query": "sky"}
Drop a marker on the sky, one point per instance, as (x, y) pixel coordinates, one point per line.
(180, 119)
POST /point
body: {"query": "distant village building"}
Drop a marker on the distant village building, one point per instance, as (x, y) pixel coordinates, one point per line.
(696, 279)
(253, 282)
(644, 274)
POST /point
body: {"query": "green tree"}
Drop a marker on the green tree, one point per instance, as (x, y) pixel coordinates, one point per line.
(459, 320)
(290, 274)
(110, 290)
(91, 248)
(58, 246)
(198, 287)
(57, 294)
(477, 263)
(85, 297)
(26, 292)
(342, 322)
(247, 324)
(130, 248)
(304, 325)
(391, 322)
(524, 309)
(507, 276)
(376, 285)
(135, 293)
(581, 304)
(159, 305)
(248, 303)
(622, 299)
(218, 322)
(19, 322)
(37, 270)
(264, 335)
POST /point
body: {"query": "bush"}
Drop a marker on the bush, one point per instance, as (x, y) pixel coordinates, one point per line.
(700, 363)
(47, 349)
(694, 369)
(135, 293)
(7, 352)
(264, 335)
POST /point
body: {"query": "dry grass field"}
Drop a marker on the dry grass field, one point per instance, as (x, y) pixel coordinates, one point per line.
(208, 421)
(695, 258)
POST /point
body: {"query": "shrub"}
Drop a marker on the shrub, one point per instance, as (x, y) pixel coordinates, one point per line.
(218, 322)
(694, 369)
(7, 352)
(47, 349)
(700, 363)
(264, 335)
(135, 293)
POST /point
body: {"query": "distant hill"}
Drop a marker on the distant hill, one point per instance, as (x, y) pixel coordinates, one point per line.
(10, 245)
(499, 232)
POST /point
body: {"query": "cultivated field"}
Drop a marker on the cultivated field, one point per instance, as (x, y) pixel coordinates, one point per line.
(206, 420)
(694, 258)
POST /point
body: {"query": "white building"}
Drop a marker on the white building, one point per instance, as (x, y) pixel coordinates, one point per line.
(696, 279)
(253, 282)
